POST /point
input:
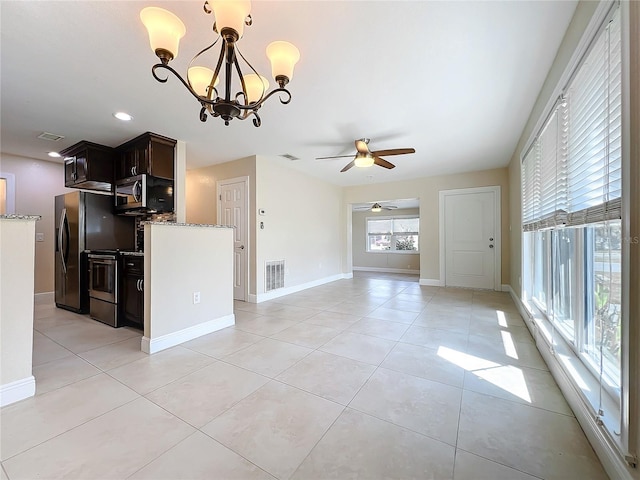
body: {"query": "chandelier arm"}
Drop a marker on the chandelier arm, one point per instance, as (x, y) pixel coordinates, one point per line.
(256, 121)
(164, 80)
(241, 77)
(270, 94)
(254, 71)
(203, 113)
(215, 74)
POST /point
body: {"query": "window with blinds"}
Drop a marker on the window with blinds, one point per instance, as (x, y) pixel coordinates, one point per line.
(571, 174)
(571, 218)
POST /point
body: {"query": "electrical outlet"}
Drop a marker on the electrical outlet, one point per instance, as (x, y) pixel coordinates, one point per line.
(196, 297)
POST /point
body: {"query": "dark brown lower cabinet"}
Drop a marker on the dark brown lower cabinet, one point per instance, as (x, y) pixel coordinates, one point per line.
(132, 289)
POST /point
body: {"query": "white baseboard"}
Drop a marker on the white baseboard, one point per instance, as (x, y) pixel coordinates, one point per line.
(505, 287)
(431, 282)
(281, 292)
(19, 390)
(154, 345)
(386, 270)
(43, 298)
(611, 460)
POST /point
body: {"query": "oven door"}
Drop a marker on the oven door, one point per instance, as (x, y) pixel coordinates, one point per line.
(103, 283)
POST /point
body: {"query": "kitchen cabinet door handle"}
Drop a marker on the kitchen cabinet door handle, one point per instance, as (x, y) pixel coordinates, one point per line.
(142, 284)
(138, 285)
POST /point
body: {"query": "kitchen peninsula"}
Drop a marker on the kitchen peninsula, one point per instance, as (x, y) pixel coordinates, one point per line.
(17, 259)
(188, 282)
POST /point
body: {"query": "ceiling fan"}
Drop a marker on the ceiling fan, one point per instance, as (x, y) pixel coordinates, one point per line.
(376, 207)
(365, 157)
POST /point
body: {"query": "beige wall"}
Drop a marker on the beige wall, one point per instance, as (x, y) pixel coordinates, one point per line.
(581, 17)
(201, 197)
(427, 190)
(37, 182)
(302, 224)
(16, 301)
(363, 259)
(173, 274)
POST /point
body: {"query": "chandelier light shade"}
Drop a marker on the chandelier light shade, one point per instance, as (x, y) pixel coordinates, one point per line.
(165, 30)
(283, 57)
(256, 85)
(200, 79)
(231, 14)
(241, 94)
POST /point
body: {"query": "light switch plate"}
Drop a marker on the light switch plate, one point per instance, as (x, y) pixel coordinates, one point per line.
(39, 237)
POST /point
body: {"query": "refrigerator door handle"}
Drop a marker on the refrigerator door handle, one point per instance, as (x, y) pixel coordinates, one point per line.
(64, 234)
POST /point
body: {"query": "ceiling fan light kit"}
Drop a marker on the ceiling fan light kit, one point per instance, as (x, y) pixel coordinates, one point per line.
(231, 16)
(367, 158)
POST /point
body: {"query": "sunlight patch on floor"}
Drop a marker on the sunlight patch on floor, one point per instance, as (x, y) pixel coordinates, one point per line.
(509, 345)
(502, 320)
(507, 377)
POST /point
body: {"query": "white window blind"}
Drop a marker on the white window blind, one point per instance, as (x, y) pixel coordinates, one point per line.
(594, 109)
(530, 185)
(571, 174)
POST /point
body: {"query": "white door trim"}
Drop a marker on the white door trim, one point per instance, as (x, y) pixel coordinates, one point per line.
(228, 181)
(497, 281)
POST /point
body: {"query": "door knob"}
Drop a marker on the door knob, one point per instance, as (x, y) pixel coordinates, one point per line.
(491, 239)
(490, 246)
(241, 247)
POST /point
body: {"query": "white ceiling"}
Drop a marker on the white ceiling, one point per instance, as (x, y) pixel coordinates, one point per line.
(456, 80)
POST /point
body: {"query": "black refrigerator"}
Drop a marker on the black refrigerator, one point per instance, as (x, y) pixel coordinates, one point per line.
(84, 221)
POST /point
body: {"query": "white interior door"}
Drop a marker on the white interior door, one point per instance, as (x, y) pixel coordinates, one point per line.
(471, 238)
(232, 210)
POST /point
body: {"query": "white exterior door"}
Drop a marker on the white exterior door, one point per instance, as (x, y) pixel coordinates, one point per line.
(232, 210)
(471, 237)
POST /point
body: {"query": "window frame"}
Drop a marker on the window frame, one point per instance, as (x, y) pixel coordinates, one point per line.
(393, 235)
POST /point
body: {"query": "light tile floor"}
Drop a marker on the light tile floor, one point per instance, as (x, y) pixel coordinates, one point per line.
(370, 378)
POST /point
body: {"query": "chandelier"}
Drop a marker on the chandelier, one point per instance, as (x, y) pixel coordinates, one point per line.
(165, 31)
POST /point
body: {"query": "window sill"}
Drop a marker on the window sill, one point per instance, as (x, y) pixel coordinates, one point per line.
(400, 252)
(584, 381)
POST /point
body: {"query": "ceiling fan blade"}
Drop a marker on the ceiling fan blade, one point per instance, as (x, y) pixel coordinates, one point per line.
(335, 156)
(348, 166)
(393, 151)
(383, 163)
(389, 207)
(361, 145)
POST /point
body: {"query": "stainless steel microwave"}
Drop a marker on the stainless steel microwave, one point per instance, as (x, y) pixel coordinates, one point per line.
(143, 194)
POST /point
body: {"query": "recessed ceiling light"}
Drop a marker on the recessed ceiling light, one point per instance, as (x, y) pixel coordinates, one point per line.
(125, 117)
(54, 154)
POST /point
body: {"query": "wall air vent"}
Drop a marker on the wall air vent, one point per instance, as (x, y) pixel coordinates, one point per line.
(288, 156)
(274, 275)
(50, 136)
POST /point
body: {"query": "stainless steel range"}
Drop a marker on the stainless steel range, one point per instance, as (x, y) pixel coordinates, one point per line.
(103, 286)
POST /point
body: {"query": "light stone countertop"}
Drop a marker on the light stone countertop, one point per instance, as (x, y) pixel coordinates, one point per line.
(20, 217)
(175, 224)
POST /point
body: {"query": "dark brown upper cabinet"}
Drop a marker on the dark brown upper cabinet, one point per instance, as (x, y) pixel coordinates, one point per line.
(149, 153)
(89, 165)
